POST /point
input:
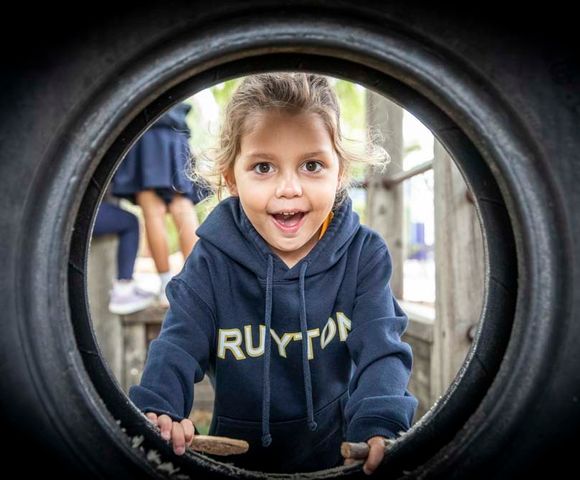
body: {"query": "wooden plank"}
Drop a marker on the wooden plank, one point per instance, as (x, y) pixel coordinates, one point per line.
(385, 212)
(135, 347)
(204, 395)
(222, 446)
(459, 275)
(107, 326)
(419, 335)
(153, 314)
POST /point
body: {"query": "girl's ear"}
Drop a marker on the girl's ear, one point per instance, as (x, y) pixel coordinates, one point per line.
(231, 183)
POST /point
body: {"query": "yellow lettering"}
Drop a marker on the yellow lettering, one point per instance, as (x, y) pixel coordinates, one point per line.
(250, 349)
(344, 325)
(283, 342)
(230, 339)
(328, 333)
(310, 334)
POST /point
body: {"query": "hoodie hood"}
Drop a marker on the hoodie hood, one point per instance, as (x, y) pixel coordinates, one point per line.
(229, 229)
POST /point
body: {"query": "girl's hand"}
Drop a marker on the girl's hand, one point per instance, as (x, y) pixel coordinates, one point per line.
(179, 433)
(376, 455)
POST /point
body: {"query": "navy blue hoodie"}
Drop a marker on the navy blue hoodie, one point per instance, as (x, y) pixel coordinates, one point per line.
(294, 401)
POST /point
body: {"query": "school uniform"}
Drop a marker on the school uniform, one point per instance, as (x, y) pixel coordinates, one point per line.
(112, 219)
(159, 161)
(239, 314)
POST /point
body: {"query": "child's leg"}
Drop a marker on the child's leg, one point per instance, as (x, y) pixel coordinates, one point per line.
(128, 244)
(113, 219)
(154, 210)
(126, 297)
(184, 215)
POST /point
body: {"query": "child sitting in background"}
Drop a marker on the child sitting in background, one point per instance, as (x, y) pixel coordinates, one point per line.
(126, 296)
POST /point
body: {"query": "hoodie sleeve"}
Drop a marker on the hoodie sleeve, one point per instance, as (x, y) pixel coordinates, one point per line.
(379, 403)
(178, 357)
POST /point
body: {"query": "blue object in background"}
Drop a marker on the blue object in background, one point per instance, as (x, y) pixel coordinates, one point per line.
(418, 233)
(113, 219)
(418, 240)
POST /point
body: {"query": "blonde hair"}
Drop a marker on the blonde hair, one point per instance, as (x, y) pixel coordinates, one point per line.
(292, 93)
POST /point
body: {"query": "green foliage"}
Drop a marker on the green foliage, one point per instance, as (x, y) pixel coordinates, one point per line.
(413, 147)
(172, 235)
(202, 138)
(202, 428)
(360, 208)
(205, 207)
(352, 107)
(222, 92)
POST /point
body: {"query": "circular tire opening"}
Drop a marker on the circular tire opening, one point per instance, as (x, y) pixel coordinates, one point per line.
(518, 196)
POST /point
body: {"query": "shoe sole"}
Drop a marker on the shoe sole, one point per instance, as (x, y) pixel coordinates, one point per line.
(131, 308)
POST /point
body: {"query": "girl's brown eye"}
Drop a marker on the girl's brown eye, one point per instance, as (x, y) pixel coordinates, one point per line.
(312, 166)
(262, 167)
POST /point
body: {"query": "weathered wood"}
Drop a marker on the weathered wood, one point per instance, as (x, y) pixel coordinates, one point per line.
(139, 329)
(459, 272)
(359, 451)
(402, 176)
(107, 326)
(219, 445)
(153, 314)
(135, 348)
(385, 205)
(204, 395)
(419, 335)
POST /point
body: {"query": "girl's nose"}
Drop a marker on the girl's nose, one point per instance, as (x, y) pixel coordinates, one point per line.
(289, 186)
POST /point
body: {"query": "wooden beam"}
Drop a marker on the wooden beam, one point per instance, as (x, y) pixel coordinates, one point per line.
(107, 326)
(459, 258)
(135, 348)
(385, 212)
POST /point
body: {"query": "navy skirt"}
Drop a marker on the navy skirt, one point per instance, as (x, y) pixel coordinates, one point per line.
(158, 161)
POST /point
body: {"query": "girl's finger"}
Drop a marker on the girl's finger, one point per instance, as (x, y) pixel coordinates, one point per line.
(376, 454)
(152, 417)
(165, 423)
(188, 430)
(178, 438)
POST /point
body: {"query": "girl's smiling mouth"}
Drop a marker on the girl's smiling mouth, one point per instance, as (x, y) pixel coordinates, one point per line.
(290, 221)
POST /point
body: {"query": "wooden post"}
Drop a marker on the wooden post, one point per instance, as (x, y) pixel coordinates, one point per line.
(102, 270)
(385, 210)
(138, 327)
(419, 335)
(135, 345)
(459, 272)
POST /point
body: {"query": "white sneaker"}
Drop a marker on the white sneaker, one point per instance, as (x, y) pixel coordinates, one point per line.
(162, 299)
(127, 298)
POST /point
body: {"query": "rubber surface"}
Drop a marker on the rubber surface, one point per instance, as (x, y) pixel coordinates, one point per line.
(504, 98)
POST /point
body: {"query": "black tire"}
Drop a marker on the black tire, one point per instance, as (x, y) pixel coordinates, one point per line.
(505, 102)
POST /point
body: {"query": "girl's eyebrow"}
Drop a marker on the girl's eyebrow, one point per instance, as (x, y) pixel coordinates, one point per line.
(269, 156)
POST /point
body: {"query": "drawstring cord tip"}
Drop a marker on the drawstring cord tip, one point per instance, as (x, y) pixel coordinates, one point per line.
(312, 425)
(266, 440)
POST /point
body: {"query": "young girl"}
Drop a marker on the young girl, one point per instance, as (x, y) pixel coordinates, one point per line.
(285, 300)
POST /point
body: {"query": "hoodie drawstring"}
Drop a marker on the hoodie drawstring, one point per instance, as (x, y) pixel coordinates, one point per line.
(305, 363)
(266, 437)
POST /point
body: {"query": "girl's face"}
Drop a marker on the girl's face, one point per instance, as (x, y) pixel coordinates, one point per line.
(287, 165)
